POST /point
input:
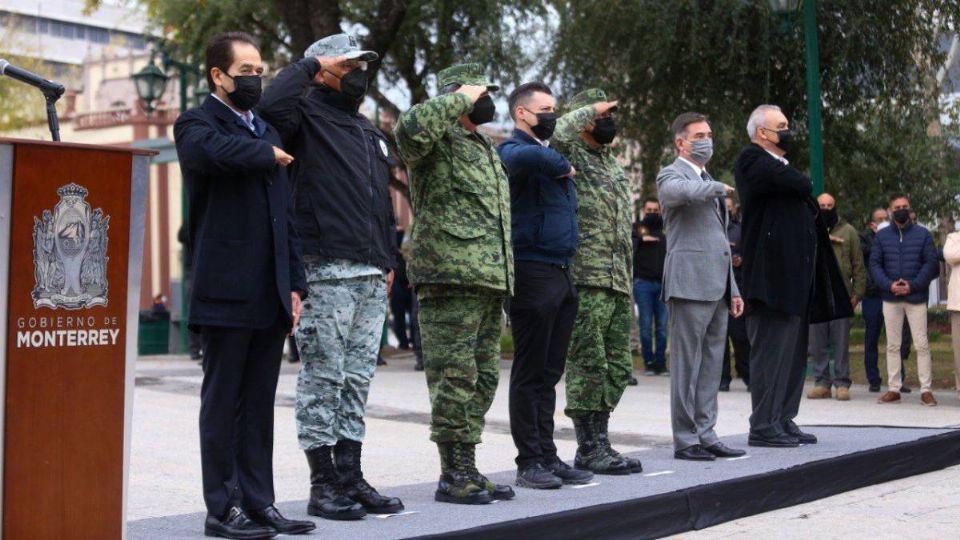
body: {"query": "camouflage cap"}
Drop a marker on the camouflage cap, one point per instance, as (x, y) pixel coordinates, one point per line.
(340, 45)
(471, 74)
(587, 97)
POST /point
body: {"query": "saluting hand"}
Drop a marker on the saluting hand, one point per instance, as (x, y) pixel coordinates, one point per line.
(472, 92)
(602, 107)
(282, 158)
(326, 62)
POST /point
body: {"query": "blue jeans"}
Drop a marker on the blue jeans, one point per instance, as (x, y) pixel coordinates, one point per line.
(652, 311)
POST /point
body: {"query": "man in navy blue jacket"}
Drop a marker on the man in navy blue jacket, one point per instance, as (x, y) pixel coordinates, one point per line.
(903, 262)
(543, 207)
(248, 285)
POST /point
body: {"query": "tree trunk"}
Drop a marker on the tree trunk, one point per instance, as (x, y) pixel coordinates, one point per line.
(308, 21)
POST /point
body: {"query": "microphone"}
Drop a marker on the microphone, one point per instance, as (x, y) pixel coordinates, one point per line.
(49, 88)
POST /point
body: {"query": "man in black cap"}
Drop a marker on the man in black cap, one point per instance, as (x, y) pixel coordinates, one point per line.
(344, 216)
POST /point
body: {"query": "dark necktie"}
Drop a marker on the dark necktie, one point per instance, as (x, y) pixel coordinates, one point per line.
(707, 178)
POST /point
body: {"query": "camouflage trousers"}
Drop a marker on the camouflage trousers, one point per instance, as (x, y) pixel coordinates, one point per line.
(339, 337)
(460, 336)
(599, 362)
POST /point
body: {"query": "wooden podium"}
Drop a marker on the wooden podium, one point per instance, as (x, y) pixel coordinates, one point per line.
(71, 242)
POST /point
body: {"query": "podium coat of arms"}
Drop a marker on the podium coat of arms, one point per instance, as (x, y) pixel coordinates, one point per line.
(70, 253)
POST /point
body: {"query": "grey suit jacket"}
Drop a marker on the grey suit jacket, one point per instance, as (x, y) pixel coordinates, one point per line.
(698, 265)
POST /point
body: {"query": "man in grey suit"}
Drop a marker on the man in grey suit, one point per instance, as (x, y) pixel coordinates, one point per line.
(698, 287)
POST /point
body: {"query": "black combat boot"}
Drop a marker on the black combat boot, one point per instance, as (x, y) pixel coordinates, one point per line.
(602, 421)
(456, 485)
(346, 456)
(326, 496)
(591, 454)
(497, 491)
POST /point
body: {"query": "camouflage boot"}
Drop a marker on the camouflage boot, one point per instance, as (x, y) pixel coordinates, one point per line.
(455, 485)
(326, 495)
(497, 491)
(346, 455)
(602, 421)
(591, 454)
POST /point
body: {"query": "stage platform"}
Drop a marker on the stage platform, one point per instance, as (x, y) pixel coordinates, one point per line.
(669, 497)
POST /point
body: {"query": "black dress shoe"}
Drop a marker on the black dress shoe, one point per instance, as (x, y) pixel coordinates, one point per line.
(236, 524)
(632, 381)
(694, 453)
(778, 441)
(271, 517)
(905, 389)
(722, 450)
(725, 386)
(802, 438)
(875, 387)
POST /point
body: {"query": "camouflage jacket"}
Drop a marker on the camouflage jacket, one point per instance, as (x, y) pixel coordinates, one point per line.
(604, 253)
(460, 196)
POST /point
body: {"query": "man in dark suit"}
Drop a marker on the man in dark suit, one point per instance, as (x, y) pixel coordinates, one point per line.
(790, 277)
(248, 286)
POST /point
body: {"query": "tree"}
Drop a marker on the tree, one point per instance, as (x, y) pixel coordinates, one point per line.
(20, 106)
(414, 39)
(724, 57)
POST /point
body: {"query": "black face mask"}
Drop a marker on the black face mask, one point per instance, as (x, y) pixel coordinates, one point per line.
(652, 221)
(354, 84)
(247, 90)
(483, 111)
(604, 130)
(546, 123)
(901, 216)
(830, 217)
(785, 140)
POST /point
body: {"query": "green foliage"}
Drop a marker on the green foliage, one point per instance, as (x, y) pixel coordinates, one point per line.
(438, 33)
(19, 105)
(724, 57)
(506, 342)
(414, 38)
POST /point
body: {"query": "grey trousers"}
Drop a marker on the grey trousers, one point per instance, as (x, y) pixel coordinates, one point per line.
(698, 331)
(778, 362)
(836, 334)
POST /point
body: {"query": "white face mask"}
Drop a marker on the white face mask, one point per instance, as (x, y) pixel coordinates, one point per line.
(883, 225)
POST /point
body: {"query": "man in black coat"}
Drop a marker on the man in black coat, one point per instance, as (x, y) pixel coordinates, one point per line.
(790, 277)
(344, 215)
(248, 285)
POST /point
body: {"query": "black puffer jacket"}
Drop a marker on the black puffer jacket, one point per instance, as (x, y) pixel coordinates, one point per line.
(341, 171)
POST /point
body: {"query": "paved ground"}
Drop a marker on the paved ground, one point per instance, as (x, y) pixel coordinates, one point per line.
(165, 471)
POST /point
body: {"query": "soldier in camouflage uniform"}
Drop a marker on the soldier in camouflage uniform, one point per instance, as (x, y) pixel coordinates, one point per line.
(461, 264)
(599, 363)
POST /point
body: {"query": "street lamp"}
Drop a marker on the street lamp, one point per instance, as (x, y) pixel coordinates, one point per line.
(201, 92)
(783, 6)
(150, 83)
(814, 121)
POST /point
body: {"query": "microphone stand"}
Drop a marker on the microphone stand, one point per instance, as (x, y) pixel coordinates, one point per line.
(51, 96)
